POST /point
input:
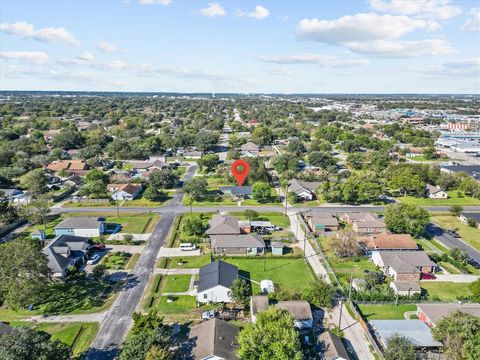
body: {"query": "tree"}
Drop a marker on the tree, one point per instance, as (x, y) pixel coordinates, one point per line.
(99, 271)
(95, 175)
(400, 348)
(241, 291)
(459, 254)
(156, 353)
(95, 189)
(460, 335)
(209, 161)
(456, 210)
(406, 219)
(196, 188)
(475, 290)
(345, 244)
(406, 181)
(471, 222)
(262, 136)
(206, 140)
(295, 146)
(8, 213)
(153, 194)
(272, 337)
(321, 159)
(262, 192)
(139, 345)
(146, 322)
(285, 162)
(251, 214)
(35, 181)
(24, 272)
(26, 343)
(165, 179)
(68, 139)
(320, 294)
(192, 226)
(374, 278)
(38, 210)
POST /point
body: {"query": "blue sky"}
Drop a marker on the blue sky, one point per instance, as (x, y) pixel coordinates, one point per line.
(362, 46)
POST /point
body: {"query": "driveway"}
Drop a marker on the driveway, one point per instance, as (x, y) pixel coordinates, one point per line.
(120, 236)
(456, 278)
(176, 252)
(132, 249)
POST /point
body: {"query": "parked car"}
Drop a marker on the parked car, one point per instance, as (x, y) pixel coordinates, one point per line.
(97, 247)
(429, 276)
(187, 247)
(93, 259)
(453, 233)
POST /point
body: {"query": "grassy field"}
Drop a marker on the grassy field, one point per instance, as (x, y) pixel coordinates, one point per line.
(176, 283)
(469, 234)
(132, 262)
(446, 291)
(135, 223)
(180, 305)
(116, 260)
(74, 297)
(292, 274)
(188, 262)
(78, 336)
(453, 199)
(386, 312)
(276, 218)
(141, 202)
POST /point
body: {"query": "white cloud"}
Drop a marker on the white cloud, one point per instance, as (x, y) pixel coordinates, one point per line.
(259, 13)
(86, 56)
(155, 2)
(373, 34)
(280, 72)
(36, 57)
(432, 9)
(26, 31)
(322, 60)
(465, 67)
(213, 9)
(107, 47)
(472, 23)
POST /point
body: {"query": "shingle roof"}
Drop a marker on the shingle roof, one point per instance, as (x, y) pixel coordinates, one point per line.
(332, 347)
(406, 286)
(249, 146)
(432, 189)
(295, 185)
(60, 245)
(300, 309)
(81, 222)
(435, 312)
(237, 241)
(358, 216)
(415, 330)
(214, 337)
(258, 303)
(223, 225)
(217, 273)
(406, 261)
(237, 190)
(388, 241)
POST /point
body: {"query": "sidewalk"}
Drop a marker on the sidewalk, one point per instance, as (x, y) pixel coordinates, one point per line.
(96, 317)
(177, 271)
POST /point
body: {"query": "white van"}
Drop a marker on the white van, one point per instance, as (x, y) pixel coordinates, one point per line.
(187, 247)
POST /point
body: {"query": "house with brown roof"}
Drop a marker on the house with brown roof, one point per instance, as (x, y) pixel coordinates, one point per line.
(353, 217)
(250, 149)
(124, 191)
(331, 347)
(77, 167)
(384, 241)
(320, 222)
(405, 265)
(430, 314)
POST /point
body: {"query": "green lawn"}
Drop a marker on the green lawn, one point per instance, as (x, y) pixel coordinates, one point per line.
(176, 283)
(276, 218)
(116, 260)
(469, 234)
(189, 262)
(180, 305)
(453, 199)
(292, 273)
(141, 202)
(386, 312)
(77, 335)
(446, 291)
(135, 223)
(132, 262)
(73, 297)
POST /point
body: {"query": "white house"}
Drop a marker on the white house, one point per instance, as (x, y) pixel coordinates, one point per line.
(434, 192)
(16, 196)
(89, 226)
(124, 191)
(215, 282)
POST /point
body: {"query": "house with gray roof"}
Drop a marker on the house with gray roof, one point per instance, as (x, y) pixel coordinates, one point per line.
(435, 192)
(90, 226)
(331, 347)
(249, 149)
(414, 330)
(304, 190)
(238, 244)
(16, 196)
(214, 339)
(223, 225)
(237, 192)
(215, 282)
(407, 265)
(430, 314)
(65, 251)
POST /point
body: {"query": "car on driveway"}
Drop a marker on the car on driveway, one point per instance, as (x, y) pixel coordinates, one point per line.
(93, 259)
(428, 276)
(97, 247)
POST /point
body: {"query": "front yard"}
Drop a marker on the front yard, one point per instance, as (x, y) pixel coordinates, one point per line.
(116, 260)
(469, 234)
(276, 218)
(454, 199)
(188, 262)
(385, 312)
(446, 291)
(176, 283)
(133, 223)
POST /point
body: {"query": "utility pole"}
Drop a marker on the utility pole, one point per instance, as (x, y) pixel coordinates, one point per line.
(340, 318)
(118, 209)
(286, 201)
(350, 289)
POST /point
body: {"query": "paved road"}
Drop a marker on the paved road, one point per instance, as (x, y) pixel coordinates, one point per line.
(451, 242)
(115, 326)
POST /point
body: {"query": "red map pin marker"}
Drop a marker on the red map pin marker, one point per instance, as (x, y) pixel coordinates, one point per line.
(240, 169)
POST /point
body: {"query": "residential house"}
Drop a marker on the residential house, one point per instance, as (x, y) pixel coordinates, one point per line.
(369, 227)
(51, 134)
(331, 347)
(77, 167)
(385, 241)
(124, 191)
(353, 217)
(434, 192)
(405, 288)
(39, 234)
(250, 149)
(464, 217)
(414, 330)
(237, 192)
(404, 265)
(141, 167)
(214, 339)
(16, 196)
(300, 310)
(430, 314)
(277, 248)
(223, 225)
(470, 170)
(304, 190)
(320, 223)
(215, 282)
(238, 244)
(90, 226)
(65, 251)
(192, 154)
